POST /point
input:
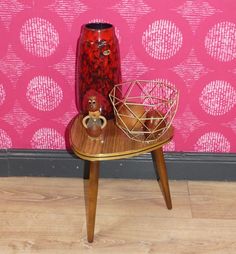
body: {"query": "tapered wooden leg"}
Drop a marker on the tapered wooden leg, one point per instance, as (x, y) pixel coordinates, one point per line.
(92, 198)
(162, 172)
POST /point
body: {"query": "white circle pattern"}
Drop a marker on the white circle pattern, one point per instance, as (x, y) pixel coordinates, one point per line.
(212, 142)
(218, 98)
(193, 39)
(220, 42)
(162, 40)
(44, 93)
(46, 138)
(39, 37)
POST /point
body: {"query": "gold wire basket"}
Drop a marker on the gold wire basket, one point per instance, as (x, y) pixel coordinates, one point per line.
(144, 109)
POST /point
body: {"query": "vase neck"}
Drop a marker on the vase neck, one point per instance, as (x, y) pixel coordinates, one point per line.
(98, 31)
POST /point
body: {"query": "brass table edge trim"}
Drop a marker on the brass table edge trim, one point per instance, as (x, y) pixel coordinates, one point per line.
(116, 156)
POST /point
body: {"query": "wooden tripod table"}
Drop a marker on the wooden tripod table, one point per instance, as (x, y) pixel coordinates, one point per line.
(113, 145)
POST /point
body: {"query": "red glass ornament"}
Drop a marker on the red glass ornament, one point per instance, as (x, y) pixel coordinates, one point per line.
(98, 66)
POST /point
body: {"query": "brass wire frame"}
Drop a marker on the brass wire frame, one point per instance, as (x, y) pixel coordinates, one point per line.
(119, 97)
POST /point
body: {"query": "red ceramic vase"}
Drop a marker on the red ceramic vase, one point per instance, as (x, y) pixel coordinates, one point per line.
(98, 66)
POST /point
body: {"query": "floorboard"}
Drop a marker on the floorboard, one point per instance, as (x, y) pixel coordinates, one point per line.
(47, 215)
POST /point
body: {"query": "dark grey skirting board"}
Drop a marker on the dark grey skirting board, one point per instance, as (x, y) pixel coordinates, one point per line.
(61, 163)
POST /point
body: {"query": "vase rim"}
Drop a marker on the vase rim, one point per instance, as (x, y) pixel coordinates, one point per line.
(98, 26)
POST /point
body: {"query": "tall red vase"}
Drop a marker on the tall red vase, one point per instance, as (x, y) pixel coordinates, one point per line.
(98, 66)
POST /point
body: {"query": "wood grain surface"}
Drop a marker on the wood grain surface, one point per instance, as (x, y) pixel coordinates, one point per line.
(47, 215)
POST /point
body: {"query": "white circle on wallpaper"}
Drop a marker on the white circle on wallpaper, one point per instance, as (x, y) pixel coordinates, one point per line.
(191, 44)
(44, 93)
(220, 41)
(212, 142)
(45, 138)
(218, 97)
(162, 39)
(39, 37)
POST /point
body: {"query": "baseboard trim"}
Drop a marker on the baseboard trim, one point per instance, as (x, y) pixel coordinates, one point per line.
(61, 163)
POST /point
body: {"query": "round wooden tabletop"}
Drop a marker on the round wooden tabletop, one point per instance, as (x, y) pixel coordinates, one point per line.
(112, 144)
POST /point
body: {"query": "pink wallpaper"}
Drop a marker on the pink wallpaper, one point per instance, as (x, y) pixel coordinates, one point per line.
(191, 43)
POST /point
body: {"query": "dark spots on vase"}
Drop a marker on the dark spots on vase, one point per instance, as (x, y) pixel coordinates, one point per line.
(99, 69)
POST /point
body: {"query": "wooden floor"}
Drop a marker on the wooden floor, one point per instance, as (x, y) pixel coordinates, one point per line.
(47, 215)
